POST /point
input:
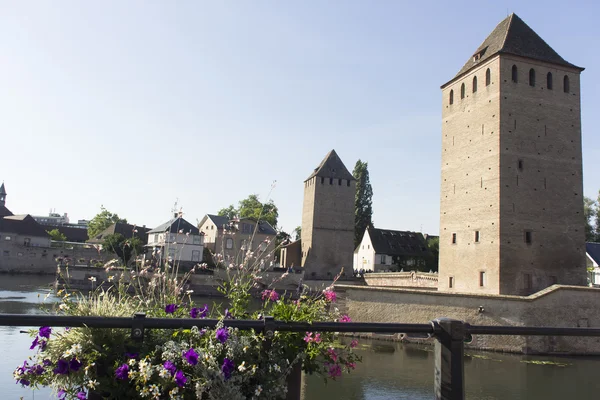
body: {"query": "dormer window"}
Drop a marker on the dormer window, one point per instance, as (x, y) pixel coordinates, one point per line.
(477, 56)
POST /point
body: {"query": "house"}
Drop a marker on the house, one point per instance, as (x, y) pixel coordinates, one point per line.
(126, 230)
(177, 241)
(232, 238)
(592, 251)
(23, 230)
(383, 250)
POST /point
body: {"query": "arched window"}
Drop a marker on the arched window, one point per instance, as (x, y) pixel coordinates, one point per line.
(462, 91)
(474, 84)
(452, 97)
(229, 243)
(566, 85)
(549, 81)
(515, 74)
(532, 77)
(488, 77)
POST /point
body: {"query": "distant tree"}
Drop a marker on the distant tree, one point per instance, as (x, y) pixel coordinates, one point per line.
(434, 247)
(101, 221)
(251, 207)
(125, 249)
(56, 235)
(298, 233)
(282, 238)
(228, 212)
(590, 212)
(363, 202)
(207, 257)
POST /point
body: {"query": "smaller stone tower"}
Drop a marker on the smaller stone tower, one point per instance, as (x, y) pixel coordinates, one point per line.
(328, 219)
(2, 195)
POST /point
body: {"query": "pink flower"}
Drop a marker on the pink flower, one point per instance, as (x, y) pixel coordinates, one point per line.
(332, 354)
(354, 343)
(334, 371)
(345, 318)
(351, 365)
(308, 338)
(270, 294)
(317, 338)
(330, 295)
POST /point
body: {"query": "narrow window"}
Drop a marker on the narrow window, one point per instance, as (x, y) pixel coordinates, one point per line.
(322, 180)
(229, 243)
(454, 238)
(474, 84)
(528, 237)
(515, 74)
(339, 182)
(462, 91)
(520, 165)
(450, 282)
(566, 85)
(532, 77)
(476, 236)
(549, 81)
(481, 278)
(348, 182)
(331, 181)
(488, 77)
(451, 97)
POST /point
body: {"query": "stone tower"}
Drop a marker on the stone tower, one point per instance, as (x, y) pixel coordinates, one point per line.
(328, 219)
(2, 195)
(511, 212)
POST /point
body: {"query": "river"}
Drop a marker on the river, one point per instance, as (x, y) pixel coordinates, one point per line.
(388, 371)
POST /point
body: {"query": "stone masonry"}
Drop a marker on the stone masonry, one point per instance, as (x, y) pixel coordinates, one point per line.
(511, 214)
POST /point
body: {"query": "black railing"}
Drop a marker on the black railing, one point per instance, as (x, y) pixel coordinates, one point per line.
(450, 335)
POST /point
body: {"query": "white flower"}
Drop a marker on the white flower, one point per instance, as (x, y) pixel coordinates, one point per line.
(131, 362)
(277, 368)
(164, 373)
(92, 384)
(92, 278)
(242, 366)
(111, 278)
(254, 368)
(258, 390)
(189, 291)
(63, 306)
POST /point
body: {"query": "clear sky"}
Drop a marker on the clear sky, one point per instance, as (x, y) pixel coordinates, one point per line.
(134, 105)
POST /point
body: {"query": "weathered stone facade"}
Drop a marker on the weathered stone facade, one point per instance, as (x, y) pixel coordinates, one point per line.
(327, 237)
(511, 214)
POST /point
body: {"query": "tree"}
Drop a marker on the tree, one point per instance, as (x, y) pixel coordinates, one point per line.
(434, 246)
(101, 221)
(590, 210)
(57, 236)
(123, 248)
(251, 207)
(363, 202)
(298, 233)
(229, 212)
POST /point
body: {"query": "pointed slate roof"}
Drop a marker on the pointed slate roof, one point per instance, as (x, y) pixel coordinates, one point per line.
(332, 167)
(513, 36)
(2, 189)
(4, 212)
(175, 225)
(398, 243)
(126, 230)
(264, 228)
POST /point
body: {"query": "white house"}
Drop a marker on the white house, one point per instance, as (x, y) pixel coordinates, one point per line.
(383, 250)
(592, 251)
(177, 241)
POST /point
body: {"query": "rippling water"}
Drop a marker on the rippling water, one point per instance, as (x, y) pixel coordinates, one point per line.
(388, 371)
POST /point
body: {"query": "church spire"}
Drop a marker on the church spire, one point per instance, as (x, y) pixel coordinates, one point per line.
(2, 195)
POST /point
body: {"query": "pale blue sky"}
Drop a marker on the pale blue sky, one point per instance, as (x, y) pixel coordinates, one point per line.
(135, 104)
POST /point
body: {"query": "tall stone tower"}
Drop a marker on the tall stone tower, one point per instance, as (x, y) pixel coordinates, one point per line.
(511, 214)
(328, 219)
(2, 195)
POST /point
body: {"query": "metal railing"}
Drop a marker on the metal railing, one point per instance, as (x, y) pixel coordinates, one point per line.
(450, 335)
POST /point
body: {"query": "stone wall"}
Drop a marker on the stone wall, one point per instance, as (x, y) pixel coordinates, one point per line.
(555, 306)
(410, 279)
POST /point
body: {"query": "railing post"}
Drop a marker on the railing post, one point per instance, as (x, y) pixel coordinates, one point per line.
(137, 328)
(449, 373)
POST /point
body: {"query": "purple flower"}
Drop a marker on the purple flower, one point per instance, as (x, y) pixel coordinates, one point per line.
(37, 369)
(61, 394)
(222, 335)
(74, 365)
(191, 356)
(131, 355)
(204, 311)
(227, 368)
(34, 343)
(24, 382)
(47, 362)
(170, 308)
(122, 372)
(62, 367)
(194, 312)
(45, 331)
(169, 366)
(228, 314)
(180, 379)
(43, 344)
(81, 396)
